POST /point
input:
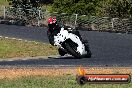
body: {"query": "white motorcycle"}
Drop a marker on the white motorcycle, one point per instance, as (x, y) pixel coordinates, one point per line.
(70, 43)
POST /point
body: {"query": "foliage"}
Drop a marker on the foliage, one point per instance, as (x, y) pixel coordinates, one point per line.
(112, 8)
(3, 2)
(118, 8)
(82, 7)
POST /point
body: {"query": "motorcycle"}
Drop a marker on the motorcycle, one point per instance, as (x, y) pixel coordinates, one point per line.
(69, 42)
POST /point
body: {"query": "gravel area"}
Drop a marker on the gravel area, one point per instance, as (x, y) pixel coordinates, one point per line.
(12, 73)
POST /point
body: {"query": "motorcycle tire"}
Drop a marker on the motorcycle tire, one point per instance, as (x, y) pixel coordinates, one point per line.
(89, 54)
(61, 52)
(72, 50)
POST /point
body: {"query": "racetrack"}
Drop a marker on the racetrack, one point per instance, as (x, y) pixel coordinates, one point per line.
(108, 49)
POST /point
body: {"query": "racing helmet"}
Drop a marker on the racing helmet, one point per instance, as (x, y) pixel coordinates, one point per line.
(52, 22)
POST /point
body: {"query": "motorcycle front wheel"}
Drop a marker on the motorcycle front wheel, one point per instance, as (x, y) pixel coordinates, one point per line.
(72, 49)
(61, 52)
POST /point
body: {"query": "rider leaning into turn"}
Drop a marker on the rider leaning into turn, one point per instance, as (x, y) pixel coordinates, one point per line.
(54, 29)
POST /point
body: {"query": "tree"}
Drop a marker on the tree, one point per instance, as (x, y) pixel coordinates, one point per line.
(82, 7)
(119, 8)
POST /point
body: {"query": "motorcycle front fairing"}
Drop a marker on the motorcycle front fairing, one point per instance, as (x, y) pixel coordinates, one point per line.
(63, 35)
(76, 39)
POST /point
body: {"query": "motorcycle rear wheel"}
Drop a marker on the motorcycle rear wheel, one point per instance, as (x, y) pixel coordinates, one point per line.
(89, 53)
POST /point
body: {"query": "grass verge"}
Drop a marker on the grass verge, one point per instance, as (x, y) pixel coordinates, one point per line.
(3, 2)
(55, 77)
(10, 48)
(65, 81)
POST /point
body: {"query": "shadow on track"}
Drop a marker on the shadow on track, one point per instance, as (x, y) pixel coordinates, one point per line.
(50, 61)
(67, 62)
(65, 57)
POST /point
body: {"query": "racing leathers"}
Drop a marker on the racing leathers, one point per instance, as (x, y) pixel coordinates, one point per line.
(54, 31)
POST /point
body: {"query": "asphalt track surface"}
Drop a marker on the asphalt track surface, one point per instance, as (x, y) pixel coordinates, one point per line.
(108, 49)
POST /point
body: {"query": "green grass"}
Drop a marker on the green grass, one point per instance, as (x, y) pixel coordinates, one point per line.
(66, 81)
(10, 48)
(3, 2)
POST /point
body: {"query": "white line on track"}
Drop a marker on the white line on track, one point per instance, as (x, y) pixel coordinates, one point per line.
(19, 39)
